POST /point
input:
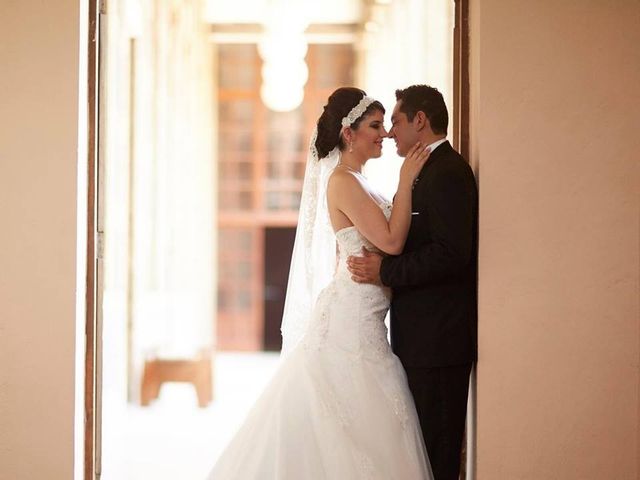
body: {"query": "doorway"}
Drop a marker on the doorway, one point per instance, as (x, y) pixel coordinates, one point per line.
(278, 246)
(256, 165)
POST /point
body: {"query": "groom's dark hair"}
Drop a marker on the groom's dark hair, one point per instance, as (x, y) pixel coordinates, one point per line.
(423, 98)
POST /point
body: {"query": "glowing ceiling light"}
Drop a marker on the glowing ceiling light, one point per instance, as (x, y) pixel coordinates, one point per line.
(283, 48)
(281, 98)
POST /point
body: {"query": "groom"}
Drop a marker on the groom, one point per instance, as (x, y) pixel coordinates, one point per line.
(434, 308)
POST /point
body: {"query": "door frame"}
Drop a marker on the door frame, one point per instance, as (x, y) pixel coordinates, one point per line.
(93, 248)
(461, 120)
(461, 78)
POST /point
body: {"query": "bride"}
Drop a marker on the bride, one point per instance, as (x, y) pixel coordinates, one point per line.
(338, 407)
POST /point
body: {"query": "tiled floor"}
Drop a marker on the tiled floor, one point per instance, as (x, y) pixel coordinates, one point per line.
(173, 439)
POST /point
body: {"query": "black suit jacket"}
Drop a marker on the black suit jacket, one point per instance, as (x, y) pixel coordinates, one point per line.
(434, 306)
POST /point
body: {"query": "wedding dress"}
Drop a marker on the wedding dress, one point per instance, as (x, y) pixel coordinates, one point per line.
(338, 407)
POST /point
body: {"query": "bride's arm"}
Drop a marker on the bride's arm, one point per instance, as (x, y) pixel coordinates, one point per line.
(349, 196)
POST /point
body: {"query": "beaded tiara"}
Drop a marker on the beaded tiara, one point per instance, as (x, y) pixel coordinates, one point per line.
(357, 111)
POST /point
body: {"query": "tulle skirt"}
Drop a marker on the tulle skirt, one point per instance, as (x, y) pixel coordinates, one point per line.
(329, 414)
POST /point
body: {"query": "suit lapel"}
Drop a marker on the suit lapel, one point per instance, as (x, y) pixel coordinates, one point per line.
(440, 152)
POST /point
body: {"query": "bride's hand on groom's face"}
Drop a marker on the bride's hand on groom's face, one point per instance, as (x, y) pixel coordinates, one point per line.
(365, 269)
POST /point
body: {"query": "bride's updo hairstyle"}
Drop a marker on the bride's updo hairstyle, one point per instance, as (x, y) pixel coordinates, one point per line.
(338, 106)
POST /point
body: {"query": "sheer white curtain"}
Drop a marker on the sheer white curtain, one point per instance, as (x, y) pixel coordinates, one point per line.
(159, 189)
(174, 249)
(407, 42)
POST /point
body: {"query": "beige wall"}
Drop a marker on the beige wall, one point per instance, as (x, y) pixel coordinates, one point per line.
(555, 116)
(38, 142)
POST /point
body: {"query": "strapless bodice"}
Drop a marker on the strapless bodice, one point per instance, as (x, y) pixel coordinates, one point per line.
(350, 315)
(351, 241)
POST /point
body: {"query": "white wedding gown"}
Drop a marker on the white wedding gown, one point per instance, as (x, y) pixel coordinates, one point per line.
(338, 407)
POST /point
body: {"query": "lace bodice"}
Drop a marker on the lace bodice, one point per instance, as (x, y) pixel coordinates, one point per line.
(350, 240)
(350, 315)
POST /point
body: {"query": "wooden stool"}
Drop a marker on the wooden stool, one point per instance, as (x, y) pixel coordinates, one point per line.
(196, 371)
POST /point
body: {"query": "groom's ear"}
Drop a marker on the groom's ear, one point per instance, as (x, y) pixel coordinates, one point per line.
(420, 121)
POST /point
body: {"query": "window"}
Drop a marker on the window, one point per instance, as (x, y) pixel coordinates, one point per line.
(262, 156)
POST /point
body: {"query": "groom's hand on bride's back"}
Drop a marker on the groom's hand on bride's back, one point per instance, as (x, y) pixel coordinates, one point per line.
(365, 269)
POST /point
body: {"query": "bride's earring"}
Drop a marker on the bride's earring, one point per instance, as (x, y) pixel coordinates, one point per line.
(351, 146)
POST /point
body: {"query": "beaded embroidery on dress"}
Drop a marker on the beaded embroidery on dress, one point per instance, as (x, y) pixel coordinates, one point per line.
(338, 407)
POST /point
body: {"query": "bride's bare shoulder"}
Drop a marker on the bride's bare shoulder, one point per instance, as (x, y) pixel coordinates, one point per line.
(342, 181)
(344, 188)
